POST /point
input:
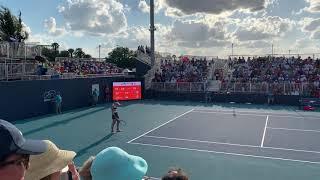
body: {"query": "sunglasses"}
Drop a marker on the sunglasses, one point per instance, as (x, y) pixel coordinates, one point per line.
(23, 160)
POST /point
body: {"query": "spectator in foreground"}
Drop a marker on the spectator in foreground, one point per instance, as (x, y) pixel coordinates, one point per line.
(114, 163)
(15, 151)
(49, 165)
(84, 171)
(175, 174)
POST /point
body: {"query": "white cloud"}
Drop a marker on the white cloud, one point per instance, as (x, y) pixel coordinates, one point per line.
(144, 6)
(305, 45)
(173, 12)
(197, 34)
(41, 39)
(52, 28)
(216, 6)
(244, 34)
(310, 24)
(26, 28)
(314, 6)
(316, 35)
(256, 44)
(94, 17)
(262, 28)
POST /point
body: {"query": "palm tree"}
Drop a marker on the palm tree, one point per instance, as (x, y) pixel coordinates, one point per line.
(79, 53)
(11, 28)
(55, 46)
(21, 34)
(70, 52)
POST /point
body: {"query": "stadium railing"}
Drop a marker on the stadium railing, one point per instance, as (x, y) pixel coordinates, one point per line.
(284, 88)
(73, 76)
(180, 87)
(15, 69)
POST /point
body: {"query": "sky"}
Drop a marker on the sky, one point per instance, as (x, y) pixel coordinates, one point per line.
(184, 27)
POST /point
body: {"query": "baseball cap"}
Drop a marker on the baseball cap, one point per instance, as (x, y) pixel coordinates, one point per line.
(12, 141)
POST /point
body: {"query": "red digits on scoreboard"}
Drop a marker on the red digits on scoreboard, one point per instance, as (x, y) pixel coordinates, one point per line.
(127, 91)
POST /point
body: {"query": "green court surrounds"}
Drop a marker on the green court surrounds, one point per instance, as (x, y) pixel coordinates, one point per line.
(87, 131)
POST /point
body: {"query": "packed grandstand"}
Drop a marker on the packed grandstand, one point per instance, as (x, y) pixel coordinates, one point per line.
(279, 75)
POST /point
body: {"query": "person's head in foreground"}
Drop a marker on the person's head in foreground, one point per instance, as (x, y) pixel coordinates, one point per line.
(15, 151)
(175, 174)
(85, 172)
(49, 165)
(116, 164)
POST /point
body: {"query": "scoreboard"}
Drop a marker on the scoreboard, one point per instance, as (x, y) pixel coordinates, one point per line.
(126, 91)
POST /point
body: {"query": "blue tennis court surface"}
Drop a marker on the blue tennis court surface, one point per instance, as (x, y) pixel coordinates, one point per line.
(261, 135)
(215, 141)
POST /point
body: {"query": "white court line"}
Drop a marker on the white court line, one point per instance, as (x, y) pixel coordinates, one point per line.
(264, 131)
(226, 153)
(209, 142)
(258, 115)
(297, 117)
(286, 149)
(195, 111)
(160, 125)
(265, 113)
(254, 112)
(231, 144)
(288, 129)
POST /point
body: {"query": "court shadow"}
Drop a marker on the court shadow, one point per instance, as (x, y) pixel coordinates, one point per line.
(84, 150)
(67, 111)
(62, 122)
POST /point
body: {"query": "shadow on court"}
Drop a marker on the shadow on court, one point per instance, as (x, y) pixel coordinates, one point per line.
(84, 150)
(65, 121)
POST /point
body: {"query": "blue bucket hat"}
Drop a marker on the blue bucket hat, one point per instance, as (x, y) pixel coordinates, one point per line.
(115, 164)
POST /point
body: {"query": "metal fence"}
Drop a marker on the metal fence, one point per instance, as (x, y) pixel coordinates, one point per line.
(73, 76)
(284, 88)
(20, 50)
(17, 70)
(181, 87)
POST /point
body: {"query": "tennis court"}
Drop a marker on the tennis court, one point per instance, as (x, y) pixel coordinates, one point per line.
(208, 141)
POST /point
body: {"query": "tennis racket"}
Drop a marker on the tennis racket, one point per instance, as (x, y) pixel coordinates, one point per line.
(122, 122)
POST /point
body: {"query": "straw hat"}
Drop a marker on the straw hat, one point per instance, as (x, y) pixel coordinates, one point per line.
(51, 161)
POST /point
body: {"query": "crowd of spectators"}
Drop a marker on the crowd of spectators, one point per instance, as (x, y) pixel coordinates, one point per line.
(22, 158)
(184, 70)
(85, 67)
(275, 75)
(277, 71)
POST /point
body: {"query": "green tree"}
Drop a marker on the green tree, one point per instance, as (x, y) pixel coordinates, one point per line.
(64, 54)
(78, 53)
(122, 57)
(49, 54)
(87, 56)
(11, 28)
(70, 52)
(55, 46)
